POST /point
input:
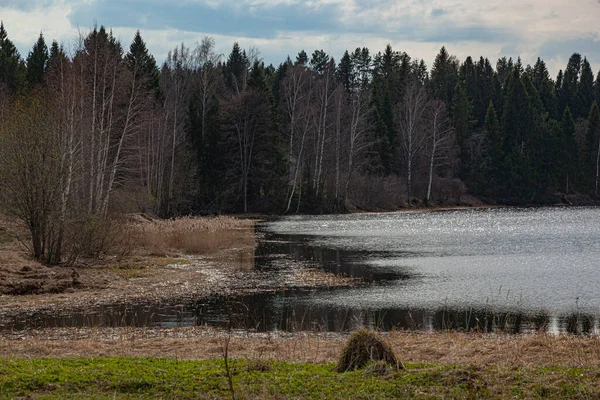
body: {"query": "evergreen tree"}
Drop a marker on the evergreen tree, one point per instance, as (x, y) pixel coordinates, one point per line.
(504, 69)
(570, 83)
(37, 62)
(444, 76)
(236, 69)
(518, 131)
(319, 61)
(545, 87)
(585, 91)
(143, 64)
(302, 58)
(485, 90)
(345, 72)
(12, 69)
(361, 61)
(493, 144)
(462, 117)
(597, 88)
(569, 161)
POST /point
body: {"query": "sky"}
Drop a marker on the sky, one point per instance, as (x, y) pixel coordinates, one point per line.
(550, 29)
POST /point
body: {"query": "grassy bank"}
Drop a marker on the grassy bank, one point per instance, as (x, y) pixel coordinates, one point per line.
(168, 378)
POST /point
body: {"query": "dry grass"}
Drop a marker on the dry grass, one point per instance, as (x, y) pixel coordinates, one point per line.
(503, 351)
(192, 235)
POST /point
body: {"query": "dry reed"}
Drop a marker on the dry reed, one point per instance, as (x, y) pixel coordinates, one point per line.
(192, 235)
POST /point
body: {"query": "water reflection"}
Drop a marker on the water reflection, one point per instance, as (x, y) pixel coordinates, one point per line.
(293, 312)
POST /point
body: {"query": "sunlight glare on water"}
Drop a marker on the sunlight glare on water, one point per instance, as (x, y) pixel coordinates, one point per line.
(531, 260)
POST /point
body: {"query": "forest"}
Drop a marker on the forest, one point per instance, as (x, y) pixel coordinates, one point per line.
(95, 129)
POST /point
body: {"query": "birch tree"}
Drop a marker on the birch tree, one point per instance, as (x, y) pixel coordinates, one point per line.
(410, 121)
(441, 140)
(296, 97)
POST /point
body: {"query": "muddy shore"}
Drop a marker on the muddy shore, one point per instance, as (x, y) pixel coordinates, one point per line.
(219, 261)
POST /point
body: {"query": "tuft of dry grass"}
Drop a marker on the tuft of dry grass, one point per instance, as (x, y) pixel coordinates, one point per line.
(192, 235)
(364, 347)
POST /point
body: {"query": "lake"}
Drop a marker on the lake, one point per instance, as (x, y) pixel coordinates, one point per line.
(511, 270)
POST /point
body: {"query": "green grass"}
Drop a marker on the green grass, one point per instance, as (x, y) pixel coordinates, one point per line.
(166, 378)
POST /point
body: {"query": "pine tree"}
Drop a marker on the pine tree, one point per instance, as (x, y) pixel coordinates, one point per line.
(319, 61)
(37, 62)
(302, 58)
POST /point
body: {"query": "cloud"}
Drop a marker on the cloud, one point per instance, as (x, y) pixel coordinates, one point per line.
(526, 28)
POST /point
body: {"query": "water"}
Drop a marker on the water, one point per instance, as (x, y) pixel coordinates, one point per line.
(515, 270)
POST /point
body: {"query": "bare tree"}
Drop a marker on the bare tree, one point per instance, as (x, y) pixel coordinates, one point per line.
(359, 111)
(245, 117)
(296, 90)
(412, 134)
(30, 172)
(441, 140)
(206, 79)
(324, 92)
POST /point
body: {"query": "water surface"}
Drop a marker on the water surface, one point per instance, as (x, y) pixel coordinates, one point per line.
(514, 270)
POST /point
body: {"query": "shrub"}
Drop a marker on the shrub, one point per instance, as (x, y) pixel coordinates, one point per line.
(364, 347)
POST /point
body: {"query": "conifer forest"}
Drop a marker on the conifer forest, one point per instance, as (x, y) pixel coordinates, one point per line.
(100, 127)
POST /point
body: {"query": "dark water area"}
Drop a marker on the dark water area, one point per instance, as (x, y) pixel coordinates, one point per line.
(512, 270)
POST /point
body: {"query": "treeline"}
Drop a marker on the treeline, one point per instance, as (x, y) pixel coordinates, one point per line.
(99, 128)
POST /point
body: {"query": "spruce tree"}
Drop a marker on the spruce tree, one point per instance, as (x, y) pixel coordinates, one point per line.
(444, 76)
(518, 131)
(493, 145)
(345, 72)
(585, 91)
(236, 69)
(545, 87)
(569, 162)
(569, 83)
(143, 64)
(37, 62)
(462, 118)
(597, 88)
(12, 69)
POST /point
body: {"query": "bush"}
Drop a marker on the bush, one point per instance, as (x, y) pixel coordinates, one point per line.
(364, 347)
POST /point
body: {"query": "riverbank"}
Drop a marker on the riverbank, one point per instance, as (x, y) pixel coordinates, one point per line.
(166, 262)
